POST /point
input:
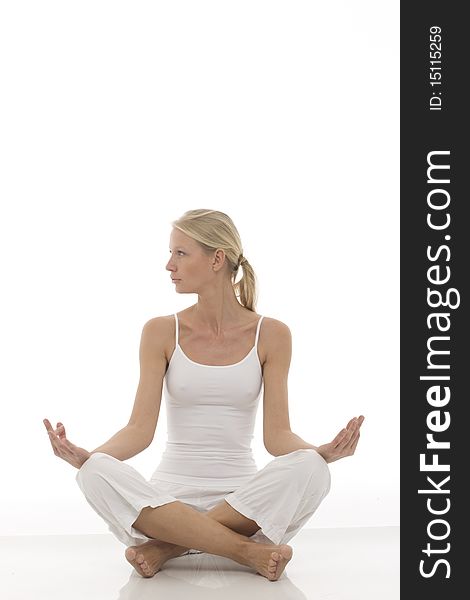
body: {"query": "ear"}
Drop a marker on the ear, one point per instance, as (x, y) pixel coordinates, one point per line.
(219, 259)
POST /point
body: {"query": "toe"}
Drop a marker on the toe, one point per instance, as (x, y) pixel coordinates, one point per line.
(130, 553)
(286, 552)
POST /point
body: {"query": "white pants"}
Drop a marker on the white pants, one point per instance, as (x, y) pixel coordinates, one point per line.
(280, 498)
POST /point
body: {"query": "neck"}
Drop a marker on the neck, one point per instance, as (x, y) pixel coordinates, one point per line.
(218, 314)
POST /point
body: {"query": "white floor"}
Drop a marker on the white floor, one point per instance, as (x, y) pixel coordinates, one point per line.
(328, 564)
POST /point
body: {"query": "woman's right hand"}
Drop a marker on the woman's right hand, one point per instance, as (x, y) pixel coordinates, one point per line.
(63, 448)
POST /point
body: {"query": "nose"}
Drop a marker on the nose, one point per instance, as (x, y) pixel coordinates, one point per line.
(170, 268)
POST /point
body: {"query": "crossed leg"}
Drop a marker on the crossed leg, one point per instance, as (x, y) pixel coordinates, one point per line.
(173, 527)
(148, 558)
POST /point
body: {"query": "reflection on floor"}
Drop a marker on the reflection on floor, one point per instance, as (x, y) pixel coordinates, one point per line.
(328, 564)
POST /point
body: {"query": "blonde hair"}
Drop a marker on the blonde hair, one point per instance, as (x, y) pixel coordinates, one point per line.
(213, 229)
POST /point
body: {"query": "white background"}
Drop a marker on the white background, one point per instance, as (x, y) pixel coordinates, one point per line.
(116, 117)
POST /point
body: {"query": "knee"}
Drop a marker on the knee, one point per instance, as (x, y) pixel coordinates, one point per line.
(92, 467)
(316, 467)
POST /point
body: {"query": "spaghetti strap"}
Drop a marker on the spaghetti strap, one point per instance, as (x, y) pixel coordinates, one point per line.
(176, 330)
(257, 330)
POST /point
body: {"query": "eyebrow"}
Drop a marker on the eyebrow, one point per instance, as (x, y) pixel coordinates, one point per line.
(177, 248)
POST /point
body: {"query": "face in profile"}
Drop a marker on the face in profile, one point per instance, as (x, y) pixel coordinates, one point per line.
(190, 269)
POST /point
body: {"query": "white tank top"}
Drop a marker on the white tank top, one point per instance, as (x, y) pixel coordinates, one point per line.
(211, 413)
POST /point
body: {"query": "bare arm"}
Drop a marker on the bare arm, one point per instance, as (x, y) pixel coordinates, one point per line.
(279, 439)
(124, 444)
(344, 444)
(286, 442)
(138, 433)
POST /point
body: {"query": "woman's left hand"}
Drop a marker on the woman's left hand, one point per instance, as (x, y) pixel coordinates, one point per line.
(344, 443)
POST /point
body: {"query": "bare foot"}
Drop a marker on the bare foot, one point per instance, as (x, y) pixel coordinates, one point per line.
(149, 557)
(269, 560)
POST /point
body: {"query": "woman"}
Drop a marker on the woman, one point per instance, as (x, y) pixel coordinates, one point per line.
(206, 494)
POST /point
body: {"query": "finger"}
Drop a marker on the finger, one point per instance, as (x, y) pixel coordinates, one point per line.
(353, 440)
(359, 420)
(57, 443)
(61, 430)
(53, 437)
(64, 449)
(347, 438)
(339, 438)
(68, 444)
(53, 441)
(353, 447)
(50, 430)
(351, 422)
(62, 442)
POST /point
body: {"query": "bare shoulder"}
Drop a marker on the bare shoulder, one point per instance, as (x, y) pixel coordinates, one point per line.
(276, 339)
(159, 324)
(274, 329)
(159, 331)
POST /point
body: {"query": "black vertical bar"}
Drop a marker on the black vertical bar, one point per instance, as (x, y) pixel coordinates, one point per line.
(434, 259)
